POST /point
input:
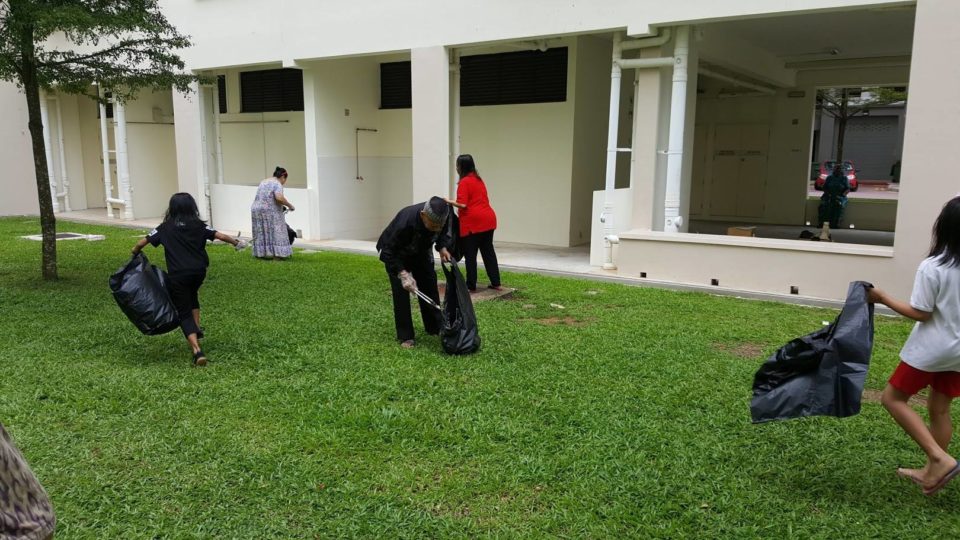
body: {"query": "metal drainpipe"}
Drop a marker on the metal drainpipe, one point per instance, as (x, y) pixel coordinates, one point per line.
(678, 112)
(613, 124)
(123, 165)
(45, 120)
(219, 141)
(618, 65)
(63, 160)
(202, 93)
(105, 147)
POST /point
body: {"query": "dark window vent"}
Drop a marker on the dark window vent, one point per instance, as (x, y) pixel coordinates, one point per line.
(514, 77)
(395, 85)
(273, 90)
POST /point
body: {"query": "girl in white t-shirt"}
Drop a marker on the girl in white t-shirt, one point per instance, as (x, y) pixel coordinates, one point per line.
(931, 355)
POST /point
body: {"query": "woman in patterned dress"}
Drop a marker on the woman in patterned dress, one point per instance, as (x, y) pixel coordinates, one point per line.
(269, 227)
(25, 510)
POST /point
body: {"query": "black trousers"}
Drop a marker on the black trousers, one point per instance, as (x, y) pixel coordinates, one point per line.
(426, 275)
(482, 242)
(185, 293)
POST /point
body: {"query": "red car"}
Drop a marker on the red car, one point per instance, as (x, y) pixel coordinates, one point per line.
(827, 167)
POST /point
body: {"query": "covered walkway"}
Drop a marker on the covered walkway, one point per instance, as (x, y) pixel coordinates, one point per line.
(572, 262)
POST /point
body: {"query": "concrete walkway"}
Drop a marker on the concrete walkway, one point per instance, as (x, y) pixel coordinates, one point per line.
(572, 262)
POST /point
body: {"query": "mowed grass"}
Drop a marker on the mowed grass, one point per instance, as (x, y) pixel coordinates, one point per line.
(624, 414)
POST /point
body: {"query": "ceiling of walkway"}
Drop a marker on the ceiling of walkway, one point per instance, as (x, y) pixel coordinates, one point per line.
(863, 33)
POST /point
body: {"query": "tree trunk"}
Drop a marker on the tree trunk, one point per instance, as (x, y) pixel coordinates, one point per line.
(841, 132)
(842, 124)
(48, 223)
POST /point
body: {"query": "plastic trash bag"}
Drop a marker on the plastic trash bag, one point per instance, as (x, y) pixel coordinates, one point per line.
(141, 292)
(451, 232)
(459, 334)
(820, 374)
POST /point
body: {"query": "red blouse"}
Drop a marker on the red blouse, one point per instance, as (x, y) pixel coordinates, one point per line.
(478, 216)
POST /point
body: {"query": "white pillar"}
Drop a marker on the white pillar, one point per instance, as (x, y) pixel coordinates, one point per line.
(186, 128)
(430, 86)
(105, 149)
(678, 108)
(310, 122)
(123, 165)
(64, 181)
(45, 120)
(203, 164)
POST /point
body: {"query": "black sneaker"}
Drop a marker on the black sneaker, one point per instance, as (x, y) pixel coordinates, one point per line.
(199, 359)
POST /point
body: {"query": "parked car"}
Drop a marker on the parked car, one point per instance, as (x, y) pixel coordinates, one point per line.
(826, 168)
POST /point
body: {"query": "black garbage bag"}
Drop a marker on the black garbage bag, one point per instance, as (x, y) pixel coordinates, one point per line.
(820, 374)
(291, 234)
(452, 234)
(459, 334)
(141, 292)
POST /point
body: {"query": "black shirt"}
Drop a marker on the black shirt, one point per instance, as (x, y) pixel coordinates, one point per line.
(407, 238)
(184, 246)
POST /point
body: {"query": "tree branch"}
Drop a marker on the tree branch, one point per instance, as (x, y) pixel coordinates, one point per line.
(120, 47)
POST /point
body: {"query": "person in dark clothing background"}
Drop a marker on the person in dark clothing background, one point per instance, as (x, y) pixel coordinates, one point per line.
(405, 248)
(834, 198)
(184, 238)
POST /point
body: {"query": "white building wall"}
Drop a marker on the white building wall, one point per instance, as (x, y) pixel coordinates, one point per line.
(18, 180)
(350, 207)
(245, 32)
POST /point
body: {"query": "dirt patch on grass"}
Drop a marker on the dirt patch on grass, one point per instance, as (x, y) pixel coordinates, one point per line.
(554, 321)
(746, 349)
(873, 396)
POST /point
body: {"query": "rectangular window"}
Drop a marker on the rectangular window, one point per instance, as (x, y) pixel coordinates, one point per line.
(273, 90)
(395, 85)
(222, 93)
(514, 77)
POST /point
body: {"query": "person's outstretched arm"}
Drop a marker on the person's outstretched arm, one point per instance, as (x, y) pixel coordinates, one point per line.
(878, 296)
(142, 243)
(239, 244)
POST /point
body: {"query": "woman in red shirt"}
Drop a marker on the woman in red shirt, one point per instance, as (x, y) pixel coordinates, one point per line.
(477, 223)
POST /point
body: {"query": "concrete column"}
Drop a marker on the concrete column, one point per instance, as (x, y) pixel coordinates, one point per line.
(310, 122)
(646, 137)
(690, 120)
(430, 86)
(930, 138)
(187, 133)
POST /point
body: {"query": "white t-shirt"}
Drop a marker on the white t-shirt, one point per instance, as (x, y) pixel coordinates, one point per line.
(935, 345)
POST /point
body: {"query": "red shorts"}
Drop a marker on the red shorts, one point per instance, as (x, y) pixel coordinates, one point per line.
(911, 380)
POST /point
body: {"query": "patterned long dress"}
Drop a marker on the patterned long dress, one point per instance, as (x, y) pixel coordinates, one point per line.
(25, 511)
(269, 228)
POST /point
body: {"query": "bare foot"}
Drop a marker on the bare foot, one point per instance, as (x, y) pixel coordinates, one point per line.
(914, 475)
(936, 471)
(408, 344)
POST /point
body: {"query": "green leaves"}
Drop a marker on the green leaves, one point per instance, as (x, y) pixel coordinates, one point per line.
(123, 45)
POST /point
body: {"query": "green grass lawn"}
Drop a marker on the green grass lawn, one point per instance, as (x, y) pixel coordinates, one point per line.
(623, 414)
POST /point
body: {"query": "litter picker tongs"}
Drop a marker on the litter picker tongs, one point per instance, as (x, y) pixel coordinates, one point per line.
(428, 300)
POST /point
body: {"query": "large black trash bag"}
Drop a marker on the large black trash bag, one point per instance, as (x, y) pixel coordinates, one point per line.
(452, 234)
(821, 373)
(459, 334)
(141, 292)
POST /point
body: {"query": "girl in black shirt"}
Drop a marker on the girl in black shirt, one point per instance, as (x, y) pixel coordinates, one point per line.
(184, 238)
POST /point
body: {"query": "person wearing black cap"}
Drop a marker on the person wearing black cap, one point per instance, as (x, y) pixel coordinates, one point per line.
(405, 249)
